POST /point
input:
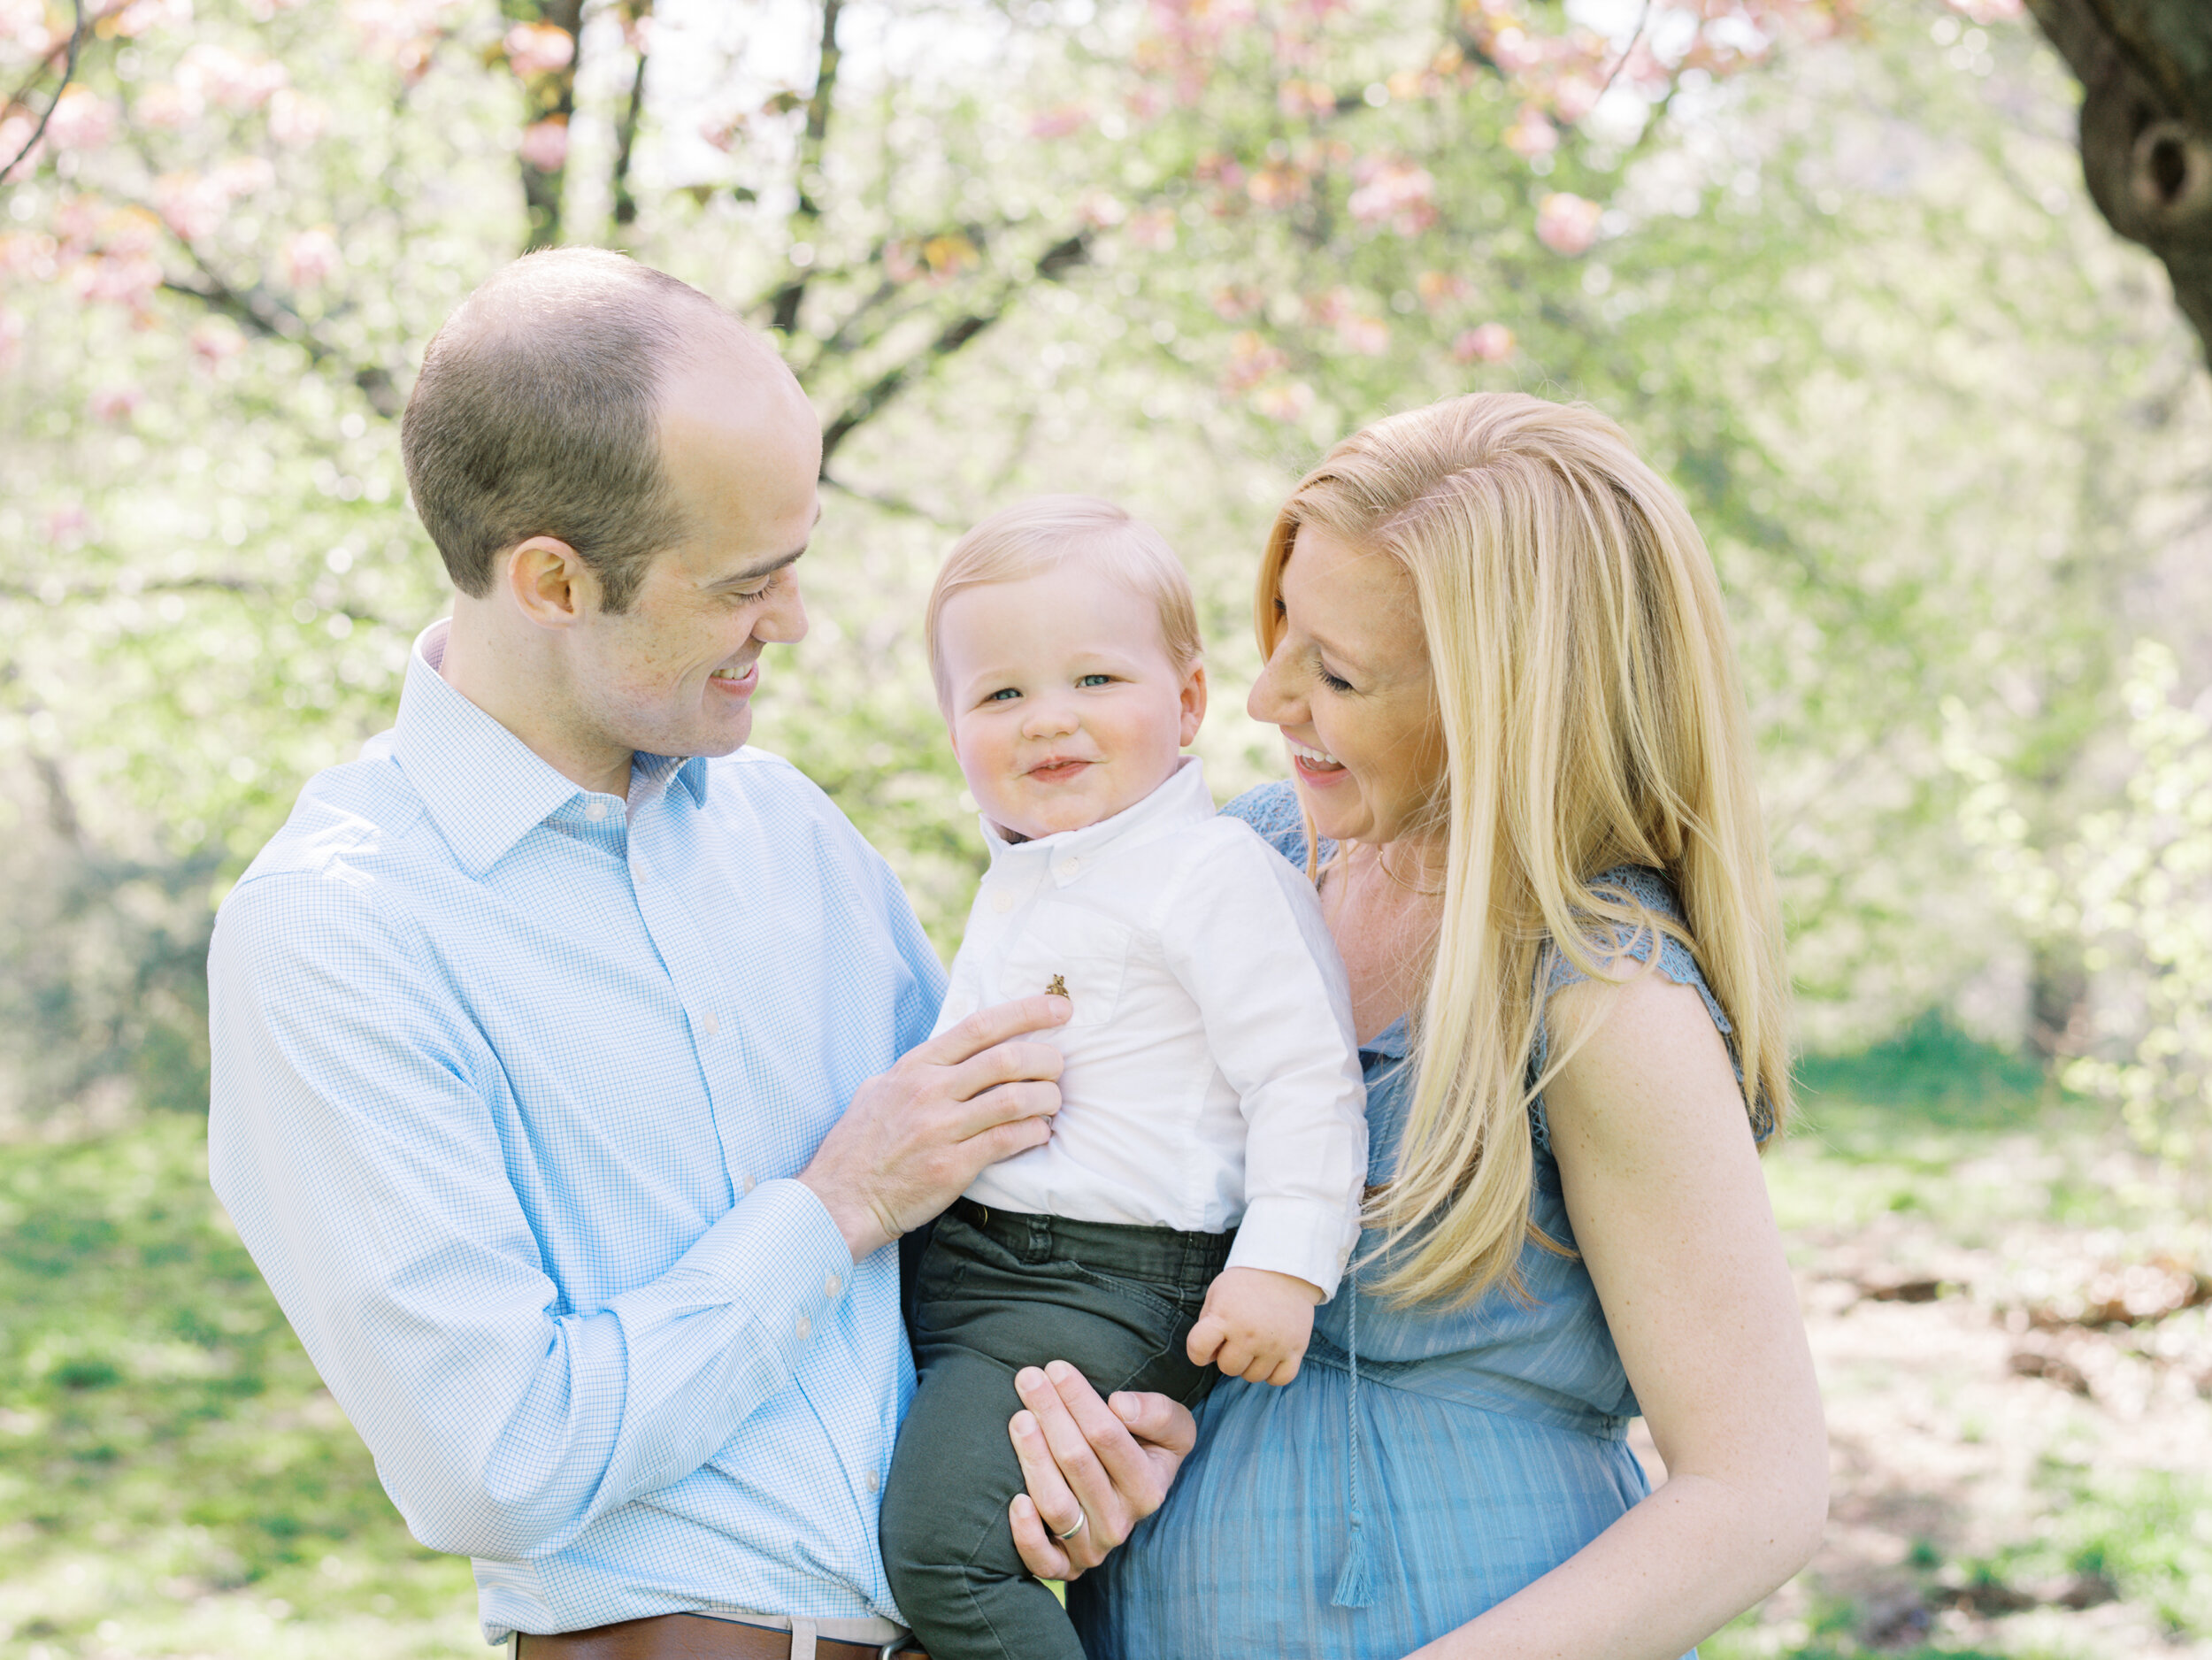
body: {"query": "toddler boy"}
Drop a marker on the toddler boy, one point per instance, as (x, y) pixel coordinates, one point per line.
(1201, 1190)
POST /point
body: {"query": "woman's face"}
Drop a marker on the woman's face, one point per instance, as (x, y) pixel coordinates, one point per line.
(1348, 683)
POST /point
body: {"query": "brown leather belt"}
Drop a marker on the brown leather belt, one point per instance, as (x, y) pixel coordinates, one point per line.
(691, 1637)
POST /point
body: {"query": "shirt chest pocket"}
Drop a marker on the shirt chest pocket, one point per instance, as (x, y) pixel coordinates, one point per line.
(1077, 954)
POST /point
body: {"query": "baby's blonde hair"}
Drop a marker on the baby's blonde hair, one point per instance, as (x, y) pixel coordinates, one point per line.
(1045, 531)
(1587, 695)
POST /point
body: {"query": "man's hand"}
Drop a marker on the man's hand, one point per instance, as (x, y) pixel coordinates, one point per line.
(1255, 1325)
(914, 1138)
(1095, 1469)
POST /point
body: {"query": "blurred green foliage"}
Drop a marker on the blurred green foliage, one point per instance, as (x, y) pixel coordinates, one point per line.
(1937, 424)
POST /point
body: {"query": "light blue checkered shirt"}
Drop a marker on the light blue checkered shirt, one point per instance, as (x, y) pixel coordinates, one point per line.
(510, 1080)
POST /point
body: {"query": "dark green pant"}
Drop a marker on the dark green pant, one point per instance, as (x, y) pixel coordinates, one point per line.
(1000, 1290)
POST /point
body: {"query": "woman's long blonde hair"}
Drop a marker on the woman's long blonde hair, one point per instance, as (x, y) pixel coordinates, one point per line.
(1591, 718)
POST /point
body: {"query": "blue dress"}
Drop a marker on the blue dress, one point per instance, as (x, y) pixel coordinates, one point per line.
(1489, 1439)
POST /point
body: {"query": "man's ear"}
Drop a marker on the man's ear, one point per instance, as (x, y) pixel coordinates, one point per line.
(1194, 700)
(550, 582)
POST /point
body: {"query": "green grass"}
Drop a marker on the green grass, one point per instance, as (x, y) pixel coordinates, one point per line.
(172, 1478)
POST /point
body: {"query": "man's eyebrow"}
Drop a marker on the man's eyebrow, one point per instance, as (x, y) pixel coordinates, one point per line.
(753, 574)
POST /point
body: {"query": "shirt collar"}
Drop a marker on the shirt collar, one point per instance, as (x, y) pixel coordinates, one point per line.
(1182, 800)
(485, 788)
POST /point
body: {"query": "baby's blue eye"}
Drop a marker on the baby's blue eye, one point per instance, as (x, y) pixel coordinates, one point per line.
(1095, 679)
(1002, 694)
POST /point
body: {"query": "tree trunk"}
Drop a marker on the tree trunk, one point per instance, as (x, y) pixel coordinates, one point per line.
(2145, 70)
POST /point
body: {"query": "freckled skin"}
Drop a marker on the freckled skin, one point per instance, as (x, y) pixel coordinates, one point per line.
(1063, 704)
(1349, 676)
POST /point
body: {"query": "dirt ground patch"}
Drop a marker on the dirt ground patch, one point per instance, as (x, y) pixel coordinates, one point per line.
(2015, 1353)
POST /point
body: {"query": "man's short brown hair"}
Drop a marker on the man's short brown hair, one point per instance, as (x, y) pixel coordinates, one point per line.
(536, 414)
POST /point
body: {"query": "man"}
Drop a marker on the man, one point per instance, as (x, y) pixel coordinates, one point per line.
(555, 1089)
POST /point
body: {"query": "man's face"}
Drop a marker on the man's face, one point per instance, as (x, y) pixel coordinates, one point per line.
(674, 674)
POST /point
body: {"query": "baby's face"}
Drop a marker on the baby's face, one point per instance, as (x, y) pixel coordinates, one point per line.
(1064, 706)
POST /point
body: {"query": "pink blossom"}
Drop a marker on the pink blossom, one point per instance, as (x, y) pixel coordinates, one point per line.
(27, 254)
(216, 342)
(244, 176)
(1567, 224)
(1234, 305)
(192, 206)
(1531, 133)
(168, 106)
(724, 130)
(67, 523)
(1100, 208)
(78, 221)
(1279, 184)
(295, 120)
(1439, 288)
(1332, 308)
(539, 49)
(130, 231)
(23, 26)
(545, 143)
(1300, 99)
(1492, 342)
(15, 132)
(140, 16)
(311, 258)
(130, 280)
(230, 79)
(1284, 402)
(116, 402)
(1059, 121)
(900, 263)
(1146, 101)
(403, 32)
(81, 120)
(1251, 360)
(1369, 336)
(1395, 189)
(1153, 230)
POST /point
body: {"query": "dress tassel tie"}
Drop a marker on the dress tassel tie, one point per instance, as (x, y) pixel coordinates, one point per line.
(1356, 1583)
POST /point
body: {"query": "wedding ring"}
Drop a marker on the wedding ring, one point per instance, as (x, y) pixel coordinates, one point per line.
(1074, 1530)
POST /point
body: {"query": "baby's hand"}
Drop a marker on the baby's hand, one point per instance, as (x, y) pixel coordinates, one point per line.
(1254, 1325)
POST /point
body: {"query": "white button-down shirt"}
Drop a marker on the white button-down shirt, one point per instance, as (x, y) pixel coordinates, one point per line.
(1212, 1078)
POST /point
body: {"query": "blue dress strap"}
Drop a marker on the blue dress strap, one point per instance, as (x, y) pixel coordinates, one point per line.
(1650, 891)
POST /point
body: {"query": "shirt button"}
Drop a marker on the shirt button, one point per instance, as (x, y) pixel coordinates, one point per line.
(595, 812)
(745, 1182)
(1002, 902)
(831, 1285)
(874, 1480)
(711, 1024)
(1070, 865)
(804, 1328)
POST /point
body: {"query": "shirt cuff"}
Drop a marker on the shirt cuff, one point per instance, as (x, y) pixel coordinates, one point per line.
(776, 1254)
(1310, 1238)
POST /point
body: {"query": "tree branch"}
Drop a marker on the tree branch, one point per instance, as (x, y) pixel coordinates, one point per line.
(626, 130)
(552, 97)
(784, 313)
(1062, 258)
(263, 313)
(68, 74)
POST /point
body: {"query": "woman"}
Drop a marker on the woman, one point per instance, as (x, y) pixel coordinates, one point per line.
(1496, 646)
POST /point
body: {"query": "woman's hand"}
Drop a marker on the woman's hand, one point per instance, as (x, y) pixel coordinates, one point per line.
(1095, 1469)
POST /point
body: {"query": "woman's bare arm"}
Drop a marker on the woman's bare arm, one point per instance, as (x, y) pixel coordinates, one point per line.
(1670, 1211)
